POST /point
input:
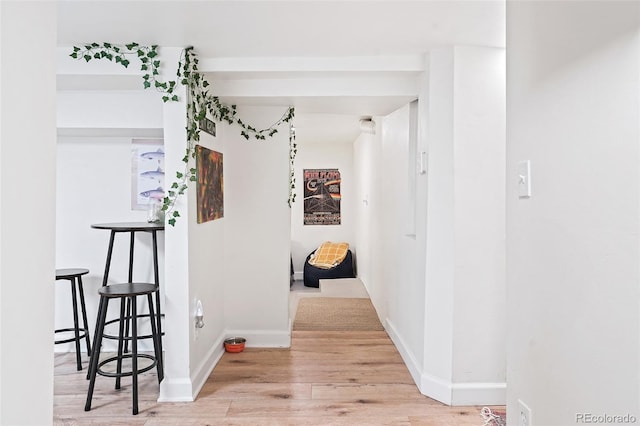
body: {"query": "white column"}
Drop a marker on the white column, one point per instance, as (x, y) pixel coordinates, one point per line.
(464, 348)
(27, 210)
(176, 385)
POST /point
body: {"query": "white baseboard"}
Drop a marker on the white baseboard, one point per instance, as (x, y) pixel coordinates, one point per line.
(456, 394)
(412, 364)
(298, 276)
(176, 390)
(445, 391)
(199, 378)
(436, 388)
(479, 394)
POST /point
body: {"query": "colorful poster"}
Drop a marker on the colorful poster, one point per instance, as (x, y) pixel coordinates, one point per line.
(209, 185)
(147, 172)
(321, 197)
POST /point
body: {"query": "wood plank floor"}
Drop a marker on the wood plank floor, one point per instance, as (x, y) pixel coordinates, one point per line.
(325, 378)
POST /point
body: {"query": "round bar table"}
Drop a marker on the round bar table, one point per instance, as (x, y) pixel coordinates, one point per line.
(132, 228)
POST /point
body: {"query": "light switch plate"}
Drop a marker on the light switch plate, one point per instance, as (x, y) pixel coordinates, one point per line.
(524, 179)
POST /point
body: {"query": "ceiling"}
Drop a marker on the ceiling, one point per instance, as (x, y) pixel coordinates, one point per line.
(335, 61)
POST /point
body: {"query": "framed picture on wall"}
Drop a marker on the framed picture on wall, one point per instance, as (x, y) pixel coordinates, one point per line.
(147, 172)
(322, 196)
(209, 185)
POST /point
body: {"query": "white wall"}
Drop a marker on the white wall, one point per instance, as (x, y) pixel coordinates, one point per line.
(257, 231)
(207, 277)
(305, 239)
(464, 361)
(238, 266)
(96, 110)
(391, 254)
(367, 150)
(479, 151)
(403, 275)
(573, 256)
(27, 211)
(437, 277)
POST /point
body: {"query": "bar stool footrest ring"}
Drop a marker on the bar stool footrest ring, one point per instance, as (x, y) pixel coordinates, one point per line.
(82, 334)
(127, 318)
(126, 373)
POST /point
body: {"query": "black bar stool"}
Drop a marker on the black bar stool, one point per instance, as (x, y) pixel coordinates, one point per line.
(126, 292)
(74, 275)
(132, 228)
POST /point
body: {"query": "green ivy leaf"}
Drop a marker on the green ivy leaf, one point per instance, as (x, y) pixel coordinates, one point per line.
(176, 214)
(172, 222)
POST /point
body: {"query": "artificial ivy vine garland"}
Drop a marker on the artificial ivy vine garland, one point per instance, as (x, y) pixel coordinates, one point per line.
(199, 103)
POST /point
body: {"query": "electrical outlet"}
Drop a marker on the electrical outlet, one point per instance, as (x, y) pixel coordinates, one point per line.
(524, 417)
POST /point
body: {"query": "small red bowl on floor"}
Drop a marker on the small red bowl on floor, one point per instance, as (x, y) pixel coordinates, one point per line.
(234, 344)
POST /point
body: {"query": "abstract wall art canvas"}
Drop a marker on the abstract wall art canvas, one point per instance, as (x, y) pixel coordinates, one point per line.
(209, 185)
